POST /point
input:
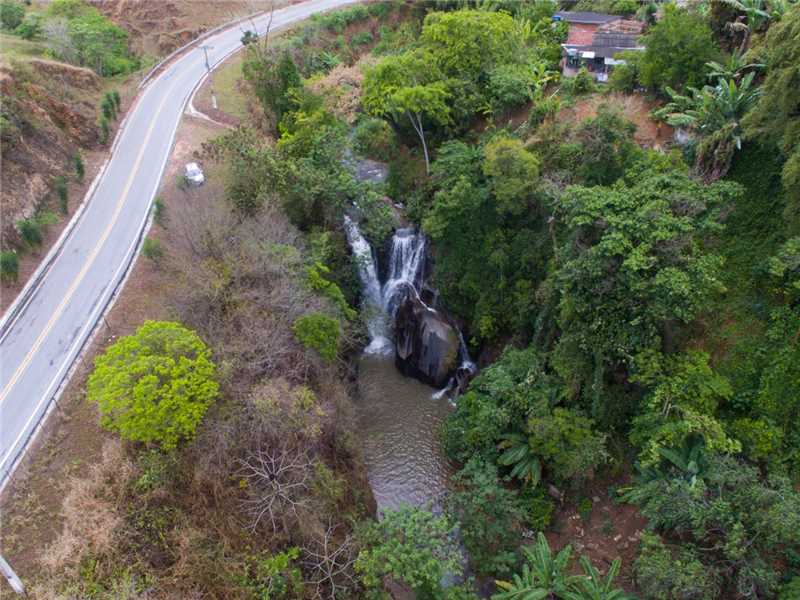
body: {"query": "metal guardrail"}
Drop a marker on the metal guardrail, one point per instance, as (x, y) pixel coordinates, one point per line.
(167, 59)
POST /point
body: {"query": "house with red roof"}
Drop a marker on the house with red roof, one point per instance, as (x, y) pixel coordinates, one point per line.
(595, 41)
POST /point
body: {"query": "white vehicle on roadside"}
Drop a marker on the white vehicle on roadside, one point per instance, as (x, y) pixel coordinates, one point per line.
(194, 174)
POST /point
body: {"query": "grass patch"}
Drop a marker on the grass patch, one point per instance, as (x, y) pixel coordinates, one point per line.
(14, 47)
(226, 85)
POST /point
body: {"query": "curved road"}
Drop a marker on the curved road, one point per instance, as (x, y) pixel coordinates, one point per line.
(39, 346)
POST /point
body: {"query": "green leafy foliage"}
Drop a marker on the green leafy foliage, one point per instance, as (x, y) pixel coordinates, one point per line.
(273, 78)
(375, 139)
(154, 385)
(681, 406)
(317, 276)
(63, 194)
(80, 168)
(729, 516)
(412, 546)
(543, 575)
(105, 130)
(489, 516)
(775, 120)
(677, 50)
(488, 226)
(31, 232)
(512, 172)
(12, 14)
(93, 40)
(9, 266)
(153, 250)
(663, 573)
(510, 415)
(274, 576)
(713, 113)
(319, 332)
(630, 267)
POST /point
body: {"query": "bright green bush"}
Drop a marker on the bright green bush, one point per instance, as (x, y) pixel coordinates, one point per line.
(375, 138)
(489, 516)
(94, 40)
(12, 14)
(9, 265)
(319, 332)
(153, 250)
(155, 385)
(63, 194)
(31, 232)
(677, 50)
(31, 26)
(412, 546)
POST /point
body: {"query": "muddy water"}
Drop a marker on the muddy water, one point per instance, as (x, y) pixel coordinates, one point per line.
(400, 422)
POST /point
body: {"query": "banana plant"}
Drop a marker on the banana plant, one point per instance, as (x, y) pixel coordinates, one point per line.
(593, 586)
(543, 576)
(517, 454)
(733, 69)
(714, 113)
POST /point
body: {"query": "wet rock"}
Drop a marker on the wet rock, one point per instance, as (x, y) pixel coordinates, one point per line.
(426, 344)
(371, 171)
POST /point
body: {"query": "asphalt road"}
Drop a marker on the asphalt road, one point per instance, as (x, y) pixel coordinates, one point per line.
(40, 345)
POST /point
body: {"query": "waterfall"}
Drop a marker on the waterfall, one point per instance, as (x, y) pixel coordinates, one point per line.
(405, 268)
(405, 275)
(377, 322)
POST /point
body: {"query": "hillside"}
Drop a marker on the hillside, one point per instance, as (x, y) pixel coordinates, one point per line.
(157, 27)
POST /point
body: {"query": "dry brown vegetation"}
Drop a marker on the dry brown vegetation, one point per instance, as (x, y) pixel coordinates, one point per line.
(180, 525)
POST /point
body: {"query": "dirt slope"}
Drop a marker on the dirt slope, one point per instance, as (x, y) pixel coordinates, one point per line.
(49, 111)
(159, 26)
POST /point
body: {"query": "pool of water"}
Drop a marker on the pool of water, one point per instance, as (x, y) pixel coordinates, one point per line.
(399, 421)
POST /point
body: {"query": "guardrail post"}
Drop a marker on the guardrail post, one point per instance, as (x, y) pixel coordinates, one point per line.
(13, 580)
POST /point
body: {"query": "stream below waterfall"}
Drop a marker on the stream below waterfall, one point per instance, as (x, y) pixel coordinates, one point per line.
(399, 424)
(399, 417)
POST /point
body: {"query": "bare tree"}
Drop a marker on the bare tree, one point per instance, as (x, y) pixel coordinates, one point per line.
(58, 39)
(277, 481)
(330, 563)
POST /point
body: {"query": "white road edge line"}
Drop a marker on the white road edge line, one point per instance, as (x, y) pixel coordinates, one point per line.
(76, 352)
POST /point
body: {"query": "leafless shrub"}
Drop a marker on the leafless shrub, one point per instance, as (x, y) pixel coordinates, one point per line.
(277, 481)
(328, 560)
(91, 519)
(241, 284)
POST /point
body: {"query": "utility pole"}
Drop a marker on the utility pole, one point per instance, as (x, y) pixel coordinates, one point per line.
(14, 581)
(206, 48)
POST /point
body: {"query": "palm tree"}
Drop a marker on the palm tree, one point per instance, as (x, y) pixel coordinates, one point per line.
(543, 576)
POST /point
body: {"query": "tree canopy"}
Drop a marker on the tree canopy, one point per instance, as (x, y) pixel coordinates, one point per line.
(154, 385)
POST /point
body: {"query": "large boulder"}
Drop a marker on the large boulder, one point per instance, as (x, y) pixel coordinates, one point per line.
(426, 345)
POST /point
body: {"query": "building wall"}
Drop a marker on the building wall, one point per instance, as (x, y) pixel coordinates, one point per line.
(581, 34)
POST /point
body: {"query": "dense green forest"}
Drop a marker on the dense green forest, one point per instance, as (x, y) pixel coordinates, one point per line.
(635, 311)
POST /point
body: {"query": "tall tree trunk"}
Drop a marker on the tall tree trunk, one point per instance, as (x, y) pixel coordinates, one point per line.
(417, 125)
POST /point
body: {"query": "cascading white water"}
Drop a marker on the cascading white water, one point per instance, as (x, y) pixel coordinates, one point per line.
(377, 321)
(405, 268)
(406, 264)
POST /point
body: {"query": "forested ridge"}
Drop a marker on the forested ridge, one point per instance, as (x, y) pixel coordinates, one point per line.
(633, 306)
